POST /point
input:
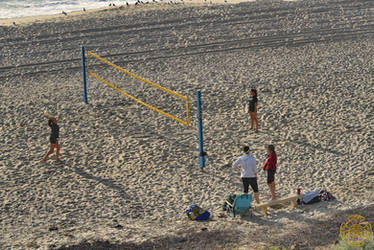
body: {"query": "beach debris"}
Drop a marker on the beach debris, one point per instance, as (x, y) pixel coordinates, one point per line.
(221, 215)
(53, 228)
(63, 12)
(118, 226)
(84, 9)
(32, 245)
(204, 229)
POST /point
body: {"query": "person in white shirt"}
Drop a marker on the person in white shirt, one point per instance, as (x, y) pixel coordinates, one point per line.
(247, 165)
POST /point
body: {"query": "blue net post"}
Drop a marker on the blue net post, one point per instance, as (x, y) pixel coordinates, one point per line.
(199, 118)
(84, 75)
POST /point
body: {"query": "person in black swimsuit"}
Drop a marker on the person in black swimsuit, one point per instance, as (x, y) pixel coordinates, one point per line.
(53, 139)
(252, 108)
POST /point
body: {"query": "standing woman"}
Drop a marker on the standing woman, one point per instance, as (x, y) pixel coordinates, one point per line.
(52, 123)
(252, 109)
(271, 167)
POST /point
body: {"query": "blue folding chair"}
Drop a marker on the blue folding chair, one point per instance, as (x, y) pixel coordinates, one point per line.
(241, 204)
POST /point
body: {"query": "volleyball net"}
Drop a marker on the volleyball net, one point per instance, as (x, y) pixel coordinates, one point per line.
(88, 57)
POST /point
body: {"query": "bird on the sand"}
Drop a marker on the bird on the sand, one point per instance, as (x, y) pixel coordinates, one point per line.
(63, 12)
(14, 23)
(84, 9)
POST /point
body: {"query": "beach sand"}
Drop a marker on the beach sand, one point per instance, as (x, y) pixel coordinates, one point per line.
(128, 174)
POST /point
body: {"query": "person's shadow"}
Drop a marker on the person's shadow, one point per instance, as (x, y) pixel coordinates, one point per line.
(106, 182)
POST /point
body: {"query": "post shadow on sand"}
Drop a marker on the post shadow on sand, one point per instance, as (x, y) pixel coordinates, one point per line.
(309, 145)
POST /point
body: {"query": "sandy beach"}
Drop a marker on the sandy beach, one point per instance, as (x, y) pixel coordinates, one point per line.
(127, 174)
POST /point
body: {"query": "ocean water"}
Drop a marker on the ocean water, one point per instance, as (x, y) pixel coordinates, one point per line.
(24, 8)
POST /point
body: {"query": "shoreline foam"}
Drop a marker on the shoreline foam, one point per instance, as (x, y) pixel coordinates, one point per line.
(123, 9)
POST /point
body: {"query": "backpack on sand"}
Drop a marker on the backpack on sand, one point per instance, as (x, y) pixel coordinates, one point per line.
(197, 213)
(326, 196)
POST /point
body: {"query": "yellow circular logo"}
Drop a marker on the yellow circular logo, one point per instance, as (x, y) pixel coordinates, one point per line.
(356, 230)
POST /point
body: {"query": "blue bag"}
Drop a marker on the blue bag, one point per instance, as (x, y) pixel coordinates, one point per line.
(197, 213)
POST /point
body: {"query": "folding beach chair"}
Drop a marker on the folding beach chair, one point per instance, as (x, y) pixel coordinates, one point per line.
(241, 204)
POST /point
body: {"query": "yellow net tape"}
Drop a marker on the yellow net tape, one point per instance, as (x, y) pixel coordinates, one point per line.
(186, 122)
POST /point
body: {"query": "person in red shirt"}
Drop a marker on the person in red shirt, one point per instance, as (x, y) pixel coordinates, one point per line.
(271, 167)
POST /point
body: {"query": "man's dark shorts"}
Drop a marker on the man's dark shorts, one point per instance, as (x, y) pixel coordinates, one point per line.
(252, 182)
(271, 174)
(53, 139)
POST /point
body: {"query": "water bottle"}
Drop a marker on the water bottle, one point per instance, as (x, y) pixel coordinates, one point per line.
(298, 193)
